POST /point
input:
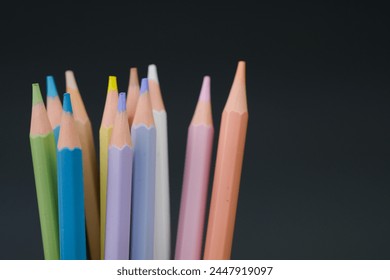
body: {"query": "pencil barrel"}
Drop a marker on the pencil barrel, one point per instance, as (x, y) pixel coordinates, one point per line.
(91, 189)
(226, 185)
(143, 197)
(162, 223)
(104, 140)
(45, 172)
(194, 193)
(117, 237)
(71, 204)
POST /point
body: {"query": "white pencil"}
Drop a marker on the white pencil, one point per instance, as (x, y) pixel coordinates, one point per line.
(162, 223)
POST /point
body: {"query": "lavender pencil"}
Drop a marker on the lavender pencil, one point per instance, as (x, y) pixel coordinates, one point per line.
(120, 163)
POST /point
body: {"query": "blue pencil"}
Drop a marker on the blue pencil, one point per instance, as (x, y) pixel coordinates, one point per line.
(143, 134)
(54, 107)
(70, 188)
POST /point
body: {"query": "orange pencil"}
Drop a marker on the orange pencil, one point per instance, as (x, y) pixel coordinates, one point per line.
(227, 174)
(90, 169)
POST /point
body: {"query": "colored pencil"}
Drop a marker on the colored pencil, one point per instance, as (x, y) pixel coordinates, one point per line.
(120, 165)
(132, 94)
(70, 188)
(54, 106)
(228, 167)
(196, 179)
(143, 134)
(162, 222)
(90, 170)
(43, 152)
(104, 140)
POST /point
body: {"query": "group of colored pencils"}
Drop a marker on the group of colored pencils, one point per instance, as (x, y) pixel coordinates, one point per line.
(121, 209)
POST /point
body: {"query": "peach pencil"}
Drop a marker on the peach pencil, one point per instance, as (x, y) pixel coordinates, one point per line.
(227, 174)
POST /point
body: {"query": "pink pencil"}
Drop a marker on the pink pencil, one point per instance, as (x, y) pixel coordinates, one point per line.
(196, 179)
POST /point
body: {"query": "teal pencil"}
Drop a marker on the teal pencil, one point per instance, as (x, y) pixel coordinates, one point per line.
(70, 188)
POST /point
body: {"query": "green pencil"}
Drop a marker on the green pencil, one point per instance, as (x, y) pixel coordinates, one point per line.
(43, 151)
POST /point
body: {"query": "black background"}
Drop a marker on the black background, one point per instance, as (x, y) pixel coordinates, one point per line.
(315, 180)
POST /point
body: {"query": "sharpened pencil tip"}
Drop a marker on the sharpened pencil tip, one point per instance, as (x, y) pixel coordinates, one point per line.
(67, 103)
(112, 84)
(70, 79)
(134, 77)
(205, 91)
(122, 102)
(36, 94)
(240, 72)
(144, 86)
(51, 89)
(237, 96)
(152, 73)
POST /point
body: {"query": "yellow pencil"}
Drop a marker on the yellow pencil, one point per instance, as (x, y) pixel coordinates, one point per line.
(104, 140)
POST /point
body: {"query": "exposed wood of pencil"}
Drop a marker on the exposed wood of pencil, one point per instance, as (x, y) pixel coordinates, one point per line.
(54, 106)
(132, 94)
(227, 175)
(154, 89)
(104, 140)
(90, 169)
(144, 115)
(120, 135)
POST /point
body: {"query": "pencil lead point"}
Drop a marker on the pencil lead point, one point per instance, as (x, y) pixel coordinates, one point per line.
(36, 94)
(152, 73)
(205, 91)
(51, 89)
(240, 72)
(122, 102)
(134, 77)
(70, 80)
(67, 103)
(112, 84)
(144, 86)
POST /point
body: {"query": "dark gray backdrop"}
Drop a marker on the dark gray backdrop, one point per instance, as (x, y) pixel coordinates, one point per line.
(315, 181)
